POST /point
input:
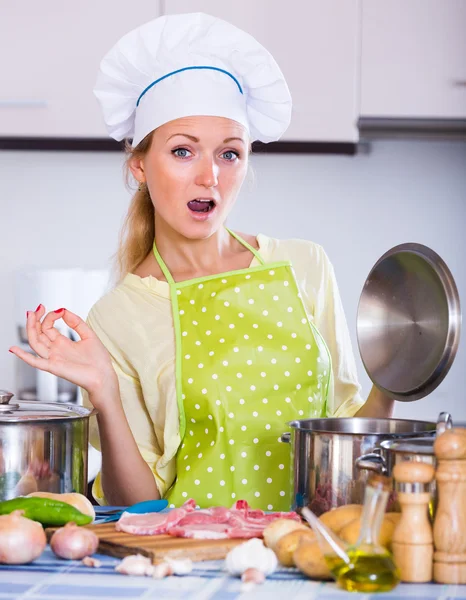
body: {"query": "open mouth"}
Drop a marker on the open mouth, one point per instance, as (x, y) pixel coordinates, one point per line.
(201, 206)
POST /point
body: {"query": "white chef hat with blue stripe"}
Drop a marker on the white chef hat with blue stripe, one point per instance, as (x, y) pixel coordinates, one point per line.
(191, 65)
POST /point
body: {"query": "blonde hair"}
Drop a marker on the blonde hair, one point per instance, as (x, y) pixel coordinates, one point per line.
(138, 231)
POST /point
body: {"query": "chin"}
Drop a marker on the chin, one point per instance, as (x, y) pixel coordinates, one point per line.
(200, 231)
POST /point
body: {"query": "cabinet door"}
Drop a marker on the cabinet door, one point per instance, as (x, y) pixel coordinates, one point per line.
(315, 44)
(413, 58)
(50, 57)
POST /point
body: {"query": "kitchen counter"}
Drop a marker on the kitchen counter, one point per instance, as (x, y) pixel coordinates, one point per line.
(52, 578)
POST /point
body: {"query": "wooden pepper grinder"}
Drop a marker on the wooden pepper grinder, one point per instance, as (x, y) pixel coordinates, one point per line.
(413, 542)
(450, 518)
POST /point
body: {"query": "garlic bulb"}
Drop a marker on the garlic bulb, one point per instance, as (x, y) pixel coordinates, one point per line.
(73, 542)
(251, 555)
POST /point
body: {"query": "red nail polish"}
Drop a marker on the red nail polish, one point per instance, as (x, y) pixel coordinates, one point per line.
(38, 307)
(58, 310)
(11, 351)
(28, 312)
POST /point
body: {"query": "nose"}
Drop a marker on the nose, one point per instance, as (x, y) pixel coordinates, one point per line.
(207, 175)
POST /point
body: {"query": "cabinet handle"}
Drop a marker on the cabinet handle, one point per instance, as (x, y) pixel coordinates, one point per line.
(14, 103)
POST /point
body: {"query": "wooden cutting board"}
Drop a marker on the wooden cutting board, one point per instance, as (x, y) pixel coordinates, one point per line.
(156, 547)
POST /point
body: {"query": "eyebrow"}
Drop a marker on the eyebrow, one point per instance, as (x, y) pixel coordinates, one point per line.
(196, 140)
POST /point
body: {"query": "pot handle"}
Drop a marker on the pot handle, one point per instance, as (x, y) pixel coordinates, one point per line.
(286, 437)
(444, 422)
(372, 462)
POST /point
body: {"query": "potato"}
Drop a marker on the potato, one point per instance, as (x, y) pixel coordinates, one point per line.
(350, 532)
(337, 518)
(310, 560)
(288, 543)
(79, 501)
(279, 528)
(393, 516)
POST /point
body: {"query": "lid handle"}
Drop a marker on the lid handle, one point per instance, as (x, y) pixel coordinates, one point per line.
(444, 422)
(5, 397)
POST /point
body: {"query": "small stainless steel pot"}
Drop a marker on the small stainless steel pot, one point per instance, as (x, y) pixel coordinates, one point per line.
(43, 447)
(325, 452)
(391, 452)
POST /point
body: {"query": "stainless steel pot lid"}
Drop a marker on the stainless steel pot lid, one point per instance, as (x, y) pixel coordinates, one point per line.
(424, 445)
(409, 322)
(23, 411)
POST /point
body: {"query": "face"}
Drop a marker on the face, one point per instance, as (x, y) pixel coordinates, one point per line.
(194, 170)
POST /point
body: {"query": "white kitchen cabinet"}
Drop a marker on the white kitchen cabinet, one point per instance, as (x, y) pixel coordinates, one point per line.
(316, 44)
(413, 59)
(50, 53)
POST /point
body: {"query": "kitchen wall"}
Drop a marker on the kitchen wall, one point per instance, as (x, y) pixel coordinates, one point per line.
(65, 209)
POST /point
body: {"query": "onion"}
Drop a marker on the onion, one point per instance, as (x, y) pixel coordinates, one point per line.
(73, 542)
(21, 540)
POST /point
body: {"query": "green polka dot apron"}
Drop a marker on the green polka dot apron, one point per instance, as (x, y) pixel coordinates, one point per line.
(248, 359)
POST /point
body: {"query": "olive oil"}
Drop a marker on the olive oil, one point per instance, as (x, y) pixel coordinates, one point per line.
(366, 572)
(367, 566)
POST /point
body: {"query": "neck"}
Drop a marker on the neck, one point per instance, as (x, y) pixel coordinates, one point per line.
(194, 258)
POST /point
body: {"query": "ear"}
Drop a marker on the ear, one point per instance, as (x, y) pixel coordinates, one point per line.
(137, 168)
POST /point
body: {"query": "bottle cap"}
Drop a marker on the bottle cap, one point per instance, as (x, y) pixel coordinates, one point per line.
(380, 482)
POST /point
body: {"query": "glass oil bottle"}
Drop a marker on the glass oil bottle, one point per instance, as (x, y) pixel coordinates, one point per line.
(369, 567)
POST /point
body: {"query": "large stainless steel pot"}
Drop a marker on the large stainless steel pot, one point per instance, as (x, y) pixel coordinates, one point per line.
(325, 452)
(43, 447)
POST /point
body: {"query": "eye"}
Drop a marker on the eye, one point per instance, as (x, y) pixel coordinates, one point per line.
(181, 152)
(230, 155)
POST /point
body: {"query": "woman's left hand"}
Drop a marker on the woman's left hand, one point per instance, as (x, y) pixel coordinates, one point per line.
(86, 363)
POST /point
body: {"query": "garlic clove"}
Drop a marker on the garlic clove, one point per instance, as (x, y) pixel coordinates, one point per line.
(253, 576)
(180, 566)
(90, 561)
(162, 570)
(135, 564)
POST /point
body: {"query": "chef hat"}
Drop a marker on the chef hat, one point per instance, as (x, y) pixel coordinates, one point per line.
(191, 64)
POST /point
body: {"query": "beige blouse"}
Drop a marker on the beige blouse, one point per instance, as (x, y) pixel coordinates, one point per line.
(134, 322)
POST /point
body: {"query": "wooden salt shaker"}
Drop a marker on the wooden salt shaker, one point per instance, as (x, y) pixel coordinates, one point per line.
(412, 544)
(450, 518)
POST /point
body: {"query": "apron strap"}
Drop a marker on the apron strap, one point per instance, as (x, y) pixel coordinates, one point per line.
(163, 266)
(167, 273)
(248, 246)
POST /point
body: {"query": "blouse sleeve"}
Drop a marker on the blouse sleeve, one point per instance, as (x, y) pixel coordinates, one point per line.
(329, 318)
(136, 412)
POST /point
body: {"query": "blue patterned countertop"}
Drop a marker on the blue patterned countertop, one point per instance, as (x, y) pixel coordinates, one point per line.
(50, 578)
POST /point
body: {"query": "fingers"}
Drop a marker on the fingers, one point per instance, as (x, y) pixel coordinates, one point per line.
(48, 323)
(38, 342)
(41, 334)
(30, 359)
(77, 324)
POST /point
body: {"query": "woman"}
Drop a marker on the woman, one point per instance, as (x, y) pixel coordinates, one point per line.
(212, 340)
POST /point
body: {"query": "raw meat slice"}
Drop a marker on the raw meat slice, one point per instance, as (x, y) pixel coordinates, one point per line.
(217, 522)
(216, 514)
(153, 523)
(201, 531)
